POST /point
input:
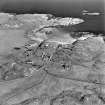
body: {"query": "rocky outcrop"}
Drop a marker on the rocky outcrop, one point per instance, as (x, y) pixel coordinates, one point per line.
(50, 67)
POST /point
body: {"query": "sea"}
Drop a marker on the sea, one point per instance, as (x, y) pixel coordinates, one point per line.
(59, 8)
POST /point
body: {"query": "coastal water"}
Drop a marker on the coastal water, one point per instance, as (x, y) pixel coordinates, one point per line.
(62, 9)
